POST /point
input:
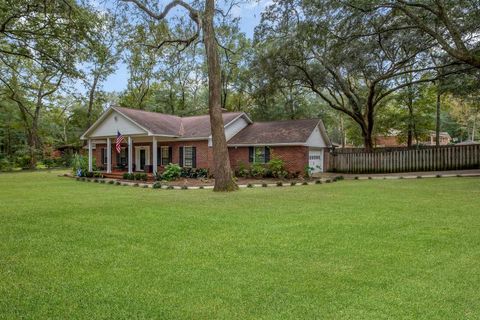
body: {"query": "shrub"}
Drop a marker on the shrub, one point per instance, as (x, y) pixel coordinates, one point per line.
(169, 187)
(117, 183)
(356, 178)
(438, 176)
(172, 172)
(328, 181)
(305, 183)
(369, 178)
(80, 165)
(188, 173)
(249, 185)
(102, 181)
(135, 185)
(157, 185)
(141, 176)
(264, 185)
(279, 184)
(293, 183)
(242, 171)
(111, 182)
(6, 165)
(339, 178)
(318, 182)
(145, 186)
(276, 167)
(307, 171)
(97, 174)
(184, 188)
(201, 187)
(419, 177)
(202, 173)
(257, 170)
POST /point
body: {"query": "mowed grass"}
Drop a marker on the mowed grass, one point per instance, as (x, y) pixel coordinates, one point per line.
(389, 249)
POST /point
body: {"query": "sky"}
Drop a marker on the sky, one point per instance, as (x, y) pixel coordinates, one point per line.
(249, 15)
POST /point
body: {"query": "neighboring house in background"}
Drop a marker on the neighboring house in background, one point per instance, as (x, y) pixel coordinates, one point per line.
(444, 139)
(153, 140)
(392, 139)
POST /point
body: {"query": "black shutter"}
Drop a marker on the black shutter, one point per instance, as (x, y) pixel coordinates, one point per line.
(250, 154)
(194, 157)
(126, 156)
(169, 154)
(118, 158)
(180, 156)
(267, 154)
(103, 155)
(159, 156)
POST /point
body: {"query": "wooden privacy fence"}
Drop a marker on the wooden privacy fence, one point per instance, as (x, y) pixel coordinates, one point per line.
(383, 160)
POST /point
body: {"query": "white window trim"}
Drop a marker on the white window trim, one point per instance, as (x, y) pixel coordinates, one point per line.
(184, 153)
(254, 154)
(161, 155)
(105, 157)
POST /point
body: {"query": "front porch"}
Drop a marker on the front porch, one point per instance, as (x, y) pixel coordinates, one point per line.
(138, 155)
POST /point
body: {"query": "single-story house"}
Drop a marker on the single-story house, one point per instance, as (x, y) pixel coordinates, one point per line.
(152, 140)
(392, 139)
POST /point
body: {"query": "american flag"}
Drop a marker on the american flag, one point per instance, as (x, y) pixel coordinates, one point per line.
(118, 142)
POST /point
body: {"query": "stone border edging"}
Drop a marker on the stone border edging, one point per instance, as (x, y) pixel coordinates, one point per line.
(280, 184)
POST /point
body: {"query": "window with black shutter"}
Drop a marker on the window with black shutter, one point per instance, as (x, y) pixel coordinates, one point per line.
(164, 155)
(180, 156)
(189, 155)
(258, 154)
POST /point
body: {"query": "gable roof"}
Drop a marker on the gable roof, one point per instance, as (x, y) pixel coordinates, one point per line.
(285, 132)
(154, 122)
(160, 124)
(199, 126)
(277, 132)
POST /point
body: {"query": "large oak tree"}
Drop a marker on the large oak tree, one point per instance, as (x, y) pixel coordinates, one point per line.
(203, 18)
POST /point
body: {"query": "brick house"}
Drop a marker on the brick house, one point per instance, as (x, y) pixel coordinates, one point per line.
(152, 140)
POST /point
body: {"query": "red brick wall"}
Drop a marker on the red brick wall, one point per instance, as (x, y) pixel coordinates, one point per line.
(295, 157)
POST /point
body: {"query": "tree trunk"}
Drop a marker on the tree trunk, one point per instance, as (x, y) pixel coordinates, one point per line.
(91, 98)
(222, 171)
(437, 124)
(411, 120)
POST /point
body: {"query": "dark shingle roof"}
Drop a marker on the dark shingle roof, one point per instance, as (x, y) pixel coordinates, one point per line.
(165, 124)
(275, 132)
(157, 123)
(199, 126)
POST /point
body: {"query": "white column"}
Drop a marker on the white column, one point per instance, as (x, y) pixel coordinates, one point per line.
(130, 149)
(109, 155)
(154, 158)
(90, 166)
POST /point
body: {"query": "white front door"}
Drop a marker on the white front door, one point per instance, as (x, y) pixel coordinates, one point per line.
(315, 160)
(142, 157)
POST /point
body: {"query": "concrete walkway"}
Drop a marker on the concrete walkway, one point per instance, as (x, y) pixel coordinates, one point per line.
(424, 174)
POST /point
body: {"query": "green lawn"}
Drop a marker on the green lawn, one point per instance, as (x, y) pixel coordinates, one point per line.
(369, 249)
